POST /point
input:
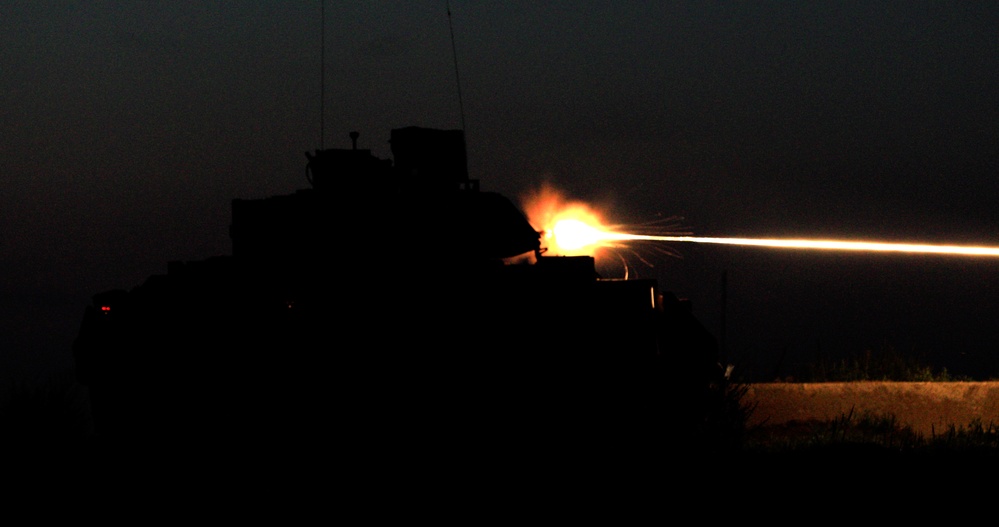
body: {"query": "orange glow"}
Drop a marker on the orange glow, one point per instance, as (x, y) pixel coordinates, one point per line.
(568, 228)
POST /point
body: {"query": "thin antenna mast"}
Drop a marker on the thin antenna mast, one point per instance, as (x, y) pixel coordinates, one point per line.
(322, 80)
(454, 53)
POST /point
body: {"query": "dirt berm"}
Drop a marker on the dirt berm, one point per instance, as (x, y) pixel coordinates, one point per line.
(928, 407)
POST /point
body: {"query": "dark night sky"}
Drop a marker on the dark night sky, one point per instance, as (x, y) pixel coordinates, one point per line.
(128, 128)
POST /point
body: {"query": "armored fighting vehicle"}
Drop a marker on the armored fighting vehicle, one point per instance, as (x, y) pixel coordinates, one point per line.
(392, 303)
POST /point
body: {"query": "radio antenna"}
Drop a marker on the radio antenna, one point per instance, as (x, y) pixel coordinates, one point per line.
(454, 53)
(322, 77)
